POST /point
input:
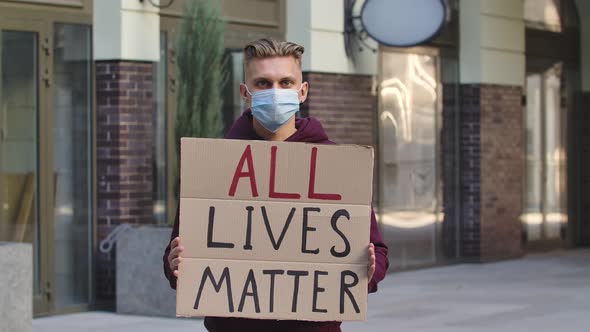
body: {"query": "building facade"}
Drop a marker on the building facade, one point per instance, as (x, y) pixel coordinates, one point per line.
(481, 136)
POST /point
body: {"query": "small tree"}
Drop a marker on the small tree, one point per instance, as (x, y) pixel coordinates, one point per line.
(201, 74)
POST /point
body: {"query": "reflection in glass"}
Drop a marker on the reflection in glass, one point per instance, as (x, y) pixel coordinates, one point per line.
(408, 130)
(543, 14)
(18, 141)
(545, 210)
(533, 121)
(555, 193)
(72, 105)
(160, 77)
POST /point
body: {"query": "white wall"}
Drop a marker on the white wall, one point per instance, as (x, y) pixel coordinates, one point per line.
(319, 26)
(126, 30)
(492, 39)
(584, 12)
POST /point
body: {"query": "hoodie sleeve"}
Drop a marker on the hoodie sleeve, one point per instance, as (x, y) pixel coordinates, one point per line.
(381, 259)
(167, 270)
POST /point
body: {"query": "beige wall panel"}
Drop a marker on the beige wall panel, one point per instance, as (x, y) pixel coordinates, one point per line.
(502, 68)
(327, 15)
(124, 31)
(249, 12)
(318, 26)
(492, 42)
(144, 6)
(298, 25)
(328, 52)
(502, 34)
(506, 8)
(470, 42)
(106, 36)
(255, 12)
(140, 39)
(329, 55)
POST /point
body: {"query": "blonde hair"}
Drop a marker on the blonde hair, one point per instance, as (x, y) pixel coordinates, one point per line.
(268, 47)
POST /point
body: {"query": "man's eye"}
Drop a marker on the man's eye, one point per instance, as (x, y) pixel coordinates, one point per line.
(262, 84)
(287, 84)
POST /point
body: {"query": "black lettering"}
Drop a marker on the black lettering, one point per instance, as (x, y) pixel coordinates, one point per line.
(216, 285)
(334, 221)
(248, 244)
(210, 242)
(317, 289)
(277, 244)
(344, 288)
(272, 274)
(296, 274)
(307, 229)
(254, 293)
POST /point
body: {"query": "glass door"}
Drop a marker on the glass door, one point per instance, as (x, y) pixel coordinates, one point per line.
(23, 98)
(409, 127)
(71, 165)
(545, 214)
(46, 156)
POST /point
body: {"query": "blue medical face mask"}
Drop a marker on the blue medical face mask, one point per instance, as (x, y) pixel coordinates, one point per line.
(272, 108)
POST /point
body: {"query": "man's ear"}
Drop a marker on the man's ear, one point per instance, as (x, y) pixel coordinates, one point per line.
(304, 91)
(244, 93)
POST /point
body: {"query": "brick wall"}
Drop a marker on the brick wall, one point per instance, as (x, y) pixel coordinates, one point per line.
(502, 171)
(492, 163)
(470, 156)
(347, 109)
(124, 155)
(345, 106)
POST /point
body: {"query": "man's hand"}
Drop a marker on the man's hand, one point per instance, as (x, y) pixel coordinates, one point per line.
(174, 258)
(371, 268)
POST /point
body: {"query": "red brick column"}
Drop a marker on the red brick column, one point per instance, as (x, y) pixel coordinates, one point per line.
(347, 109)
(124, 155)
(492, 162)
(345, 106)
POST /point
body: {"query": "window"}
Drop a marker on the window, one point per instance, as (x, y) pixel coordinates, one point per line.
(72, 109)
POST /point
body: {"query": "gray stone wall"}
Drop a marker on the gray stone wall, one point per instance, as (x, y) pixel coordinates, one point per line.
(141, 287)
(16, 287)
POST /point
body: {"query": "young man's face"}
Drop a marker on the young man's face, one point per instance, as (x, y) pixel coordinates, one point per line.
(281, 72)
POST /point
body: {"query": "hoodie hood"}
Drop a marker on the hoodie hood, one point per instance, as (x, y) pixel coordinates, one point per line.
(309, 130)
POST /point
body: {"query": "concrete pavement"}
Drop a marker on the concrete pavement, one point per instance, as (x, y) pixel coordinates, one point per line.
(541, 292)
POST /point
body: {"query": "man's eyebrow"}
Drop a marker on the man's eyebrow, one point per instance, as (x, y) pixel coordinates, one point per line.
(259, 78)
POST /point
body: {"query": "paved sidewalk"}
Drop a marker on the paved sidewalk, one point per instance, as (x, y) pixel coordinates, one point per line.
(545, 292)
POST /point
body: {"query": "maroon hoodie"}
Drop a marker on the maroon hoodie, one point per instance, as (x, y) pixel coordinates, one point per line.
(311, 131)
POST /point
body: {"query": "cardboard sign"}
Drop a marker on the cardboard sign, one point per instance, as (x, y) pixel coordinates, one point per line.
(274, 230)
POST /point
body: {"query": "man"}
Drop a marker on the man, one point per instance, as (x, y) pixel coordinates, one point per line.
(273, 89)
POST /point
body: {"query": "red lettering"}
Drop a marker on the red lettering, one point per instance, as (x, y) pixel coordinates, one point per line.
(246, 156)
(271, 191)
(311, 192)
